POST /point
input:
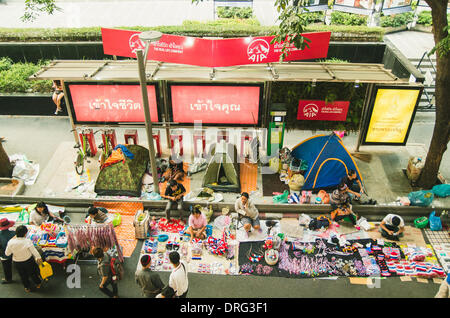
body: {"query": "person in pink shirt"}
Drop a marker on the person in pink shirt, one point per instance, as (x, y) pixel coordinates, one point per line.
(197, 224)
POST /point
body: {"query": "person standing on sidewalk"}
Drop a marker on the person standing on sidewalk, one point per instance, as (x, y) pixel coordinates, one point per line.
(25, 256)
(5, 236)
(178, 280)
(104, 270)
(149, 281)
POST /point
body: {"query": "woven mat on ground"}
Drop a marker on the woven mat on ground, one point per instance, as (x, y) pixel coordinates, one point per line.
(248, 176)
(271, 183)
(186, 182)
(437, 237)
(411, 235)
(125, 232)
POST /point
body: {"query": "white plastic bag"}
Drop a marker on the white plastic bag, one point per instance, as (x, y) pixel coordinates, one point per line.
(304, 219)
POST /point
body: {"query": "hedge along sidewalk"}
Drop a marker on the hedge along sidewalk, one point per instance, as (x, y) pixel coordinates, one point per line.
(338, 32)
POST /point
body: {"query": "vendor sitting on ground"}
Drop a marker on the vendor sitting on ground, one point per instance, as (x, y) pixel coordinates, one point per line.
(97, 215)
(354, 186)
(340, 204)
(392, 227)
(174, 193)
(197, 224)
(41, 214)
(247, 209)
(175, 171)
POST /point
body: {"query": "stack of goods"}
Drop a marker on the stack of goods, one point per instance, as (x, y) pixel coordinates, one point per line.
(173, 226)
(46, 235)
(443, 254)
(150, 246)
(217, 246)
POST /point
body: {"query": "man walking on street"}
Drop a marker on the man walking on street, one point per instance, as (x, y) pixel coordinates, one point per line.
(104, 270)
(149, 281)
(25, 256)
(5, 236)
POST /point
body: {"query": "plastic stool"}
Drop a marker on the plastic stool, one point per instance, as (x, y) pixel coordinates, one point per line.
(111, 133)
(157, 139)
(201, 136)
(222, 135)
(131, 133)
(176, 135)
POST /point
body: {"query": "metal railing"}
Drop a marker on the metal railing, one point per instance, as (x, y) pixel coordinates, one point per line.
(431, 106)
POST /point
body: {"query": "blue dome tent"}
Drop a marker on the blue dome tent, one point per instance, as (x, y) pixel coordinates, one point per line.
(328, 161)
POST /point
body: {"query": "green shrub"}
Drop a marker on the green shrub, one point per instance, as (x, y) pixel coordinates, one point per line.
(424, 18)
(344, 18)
(311, 17)
(396, 20)
(5, 63)
(15, 78)
(234, 12)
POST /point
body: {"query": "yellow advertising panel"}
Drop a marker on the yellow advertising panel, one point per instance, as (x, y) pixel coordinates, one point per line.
(391, 115)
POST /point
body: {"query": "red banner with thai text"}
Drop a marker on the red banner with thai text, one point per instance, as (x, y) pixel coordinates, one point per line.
(111, 103)
(212, 53)
(320, 110)
(215, 104)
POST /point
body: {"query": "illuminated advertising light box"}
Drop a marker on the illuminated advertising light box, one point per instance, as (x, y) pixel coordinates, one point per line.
(354, 6)
(396, 6)
(392, 115)
(110, 103)
(215, 105)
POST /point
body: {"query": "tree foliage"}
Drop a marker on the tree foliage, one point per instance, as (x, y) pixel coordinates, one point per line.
(33, 8)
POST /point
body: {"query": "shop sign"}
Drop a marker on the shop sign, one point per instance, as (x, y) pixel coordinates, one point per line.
(212, 53)
(215, 104)
(321, 110)
(392, 115)
(111, 103)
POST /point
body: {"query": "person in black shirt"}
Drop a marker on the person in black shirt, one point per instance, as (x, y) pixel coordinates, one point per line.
(174, 193)
(354, 186)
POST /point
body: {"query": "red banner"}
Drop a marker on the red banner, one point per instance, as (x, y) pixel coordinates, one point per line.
(215, 104)
(212, 53)
(111, 103)
(319, 110)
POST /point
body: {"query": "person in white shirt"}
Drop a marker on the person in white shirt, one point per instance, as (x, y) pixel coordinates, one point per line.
(178, 280)
(25, 256)
(247, 209)
(392, 227)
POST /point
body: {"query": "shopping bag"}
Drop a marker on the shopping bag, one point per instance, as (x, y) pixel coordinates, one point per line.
(141, 224)
(421, 198)
(441, 190)
(46, 270)
(117, 219)
(435, 222)
(282, 198)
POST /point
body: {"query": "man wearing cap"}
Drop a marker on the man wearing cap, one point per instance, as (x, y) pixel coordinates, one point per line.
(149, 281)
(25, 256)
(5, 236)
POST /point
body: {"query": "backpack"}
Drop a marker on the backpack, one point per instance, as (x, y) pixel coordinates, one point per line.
(116, 267)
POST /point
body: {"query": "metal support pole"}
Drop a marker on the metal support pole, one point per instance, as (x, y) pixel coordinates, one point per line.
(364, 115)
(148, 120)
(69, 113)
(165, 90)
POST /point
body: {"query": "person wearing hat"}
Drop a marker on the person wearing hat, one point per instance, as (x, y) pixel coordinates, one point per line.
(444, 289)
(149, 281)
(197, 224)
(41, 214)
(392, 227)
(5, 236)
(25, 256)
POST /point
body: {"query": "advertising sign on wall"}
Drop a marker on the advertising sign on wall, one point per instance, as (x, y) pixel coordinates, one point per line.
(316, 5)
(111, 103)
(212, 53)
(392, 115)
(396, 6)
(215, 104)
(320, 110)
(354, 6)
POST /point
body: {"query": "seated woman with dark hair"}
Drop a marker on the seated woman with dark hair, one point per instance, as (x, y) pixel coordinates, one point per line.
(41, 214)
(197, 224)
(175, 171)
